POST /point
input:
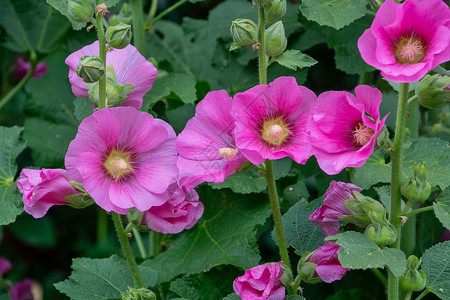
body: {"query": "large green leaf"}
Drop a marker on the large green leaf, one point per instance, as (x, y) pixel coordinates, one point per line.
(181, 85)
(436, 265)
(10, 199)
(104, 278)
(243, 182)
(442, 208)
(334, 13)
(359, 252)
(225, 235)
(434, 152)
(293, 59)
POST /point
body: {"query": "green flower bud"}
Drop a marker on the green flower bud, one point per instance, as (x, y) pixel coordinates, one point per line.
(413, 280)
(91, 69)
(413, 262)
(276, 41)
(138, 294)
(80, 11)
(118, 36)
(382, 235)
(244, 32)
(274, 9)
(433, 91)
(80, 200)
(360, 209)
(417, 188)
(307, 270)
(287, 276)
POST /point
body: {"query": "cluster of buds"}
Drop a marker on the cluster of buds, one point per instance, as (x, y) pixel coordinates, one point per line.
(433, 91)
(413, 280)
(417, 188)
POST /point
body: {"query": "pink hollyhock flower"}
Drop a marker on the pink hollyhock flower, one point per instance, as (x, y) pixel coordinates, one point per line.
(130, 67)
(180, 212)
(5, 266)
(345, 128)
(206, 146)
(271, 121)
(21, 290)
(328, 267)
(407, 40)
(261, 282)
(22, 68)
(41, 189)
(327, 215)
(124, 158)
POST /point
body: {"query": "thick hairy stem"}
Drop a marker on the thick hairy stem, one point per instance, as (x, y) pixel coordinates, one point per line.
(138, 25)
(102, 55)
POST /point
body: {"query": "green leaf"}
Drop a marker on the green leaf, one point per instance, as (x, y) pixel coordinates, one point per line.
(300, 232)
(384, 192)
(34, 232)
(181, 85)
(179, 116)
(243, 182)
(396, 85)
(232, 296)
(10, 199)
(82, 108)
(234, 46)
(429, 231)
(102, 278)
(224, 235)
(433, 151)
(442, 208)
(294, 59)
(6, 296)
(436, 265)
(359, 252)
(334, 13)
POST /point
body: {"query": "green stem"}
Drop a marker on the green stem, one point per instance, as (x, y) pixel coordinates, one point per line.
(412, 99)
(419, 210)
(262, 57)
(423, 294)
(102, 55)
(297, 282)
(162, 14)
(138, 25)
(378, 274)
(271, 186)
(102, 226)
(408, 295)
(155, 243)
(407, 207)
(19, 86)
(123, 239)
(152, 12)
(139, 242)
(44, 28)
(393, 282)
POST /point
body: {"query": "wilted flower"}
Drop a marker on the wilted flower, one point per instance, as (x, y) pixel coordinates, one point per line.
(328, 267)
(261, 282)
(345, 128)
(124, 158)
(407, 40)
(271, 121)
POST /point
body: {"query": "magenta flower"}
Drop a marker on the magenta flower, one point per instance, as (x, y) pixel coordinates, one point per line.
(327, 215)
(41, 189)
(328, 267)
(22, 68)
(261, 282)
(271, 121)
(21, 290)
(180, 212)
(124, 158)
(5, 266)
(206, 146)
(407, 40)
(130, 67)
(344, 128)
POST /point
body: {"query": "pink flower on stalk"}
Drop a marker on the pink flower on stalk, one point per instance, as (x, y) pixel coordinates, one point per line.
(41, 189)
(407, 40)
(206, 146)
(328, 267)
(5, 266)
(271, 121)
(124, 158)
(345, 128)
(327, 215)
(22, 68)
(180, 212)
(129, 65)
(261, 282)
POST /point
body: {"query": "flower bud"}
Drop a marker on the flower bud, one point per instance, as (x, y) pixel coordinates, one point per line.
(274, 9)
(417, 188)
(276, 41)
(413, 280)
(382, 235)
(244, 32)
(138, 294)
(80, 11)
(118, 36)
(433, 91)
(287, 276)
(135, 216)
(80, 200)
(361, 207)
(91, 69)
(413, 262)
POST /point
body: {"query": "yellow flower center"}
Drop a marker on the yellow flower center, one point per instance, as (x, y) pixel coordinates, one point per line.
(362, 134)
(275, 131)
(118, 163)
(228, 153)
(409, 50)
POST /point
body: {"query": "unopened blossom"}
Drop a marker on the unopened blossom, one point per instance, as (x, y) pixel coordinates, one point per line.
(407, 40)
(130, 68)
(181, 211)
(21, 290)
(344, 128)
(333, 207)
(5, 266)
(41, 189)
(271, 121)
(22, 68)
(206, 146)
(261, 282)
(124, 158)
(328, 267)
